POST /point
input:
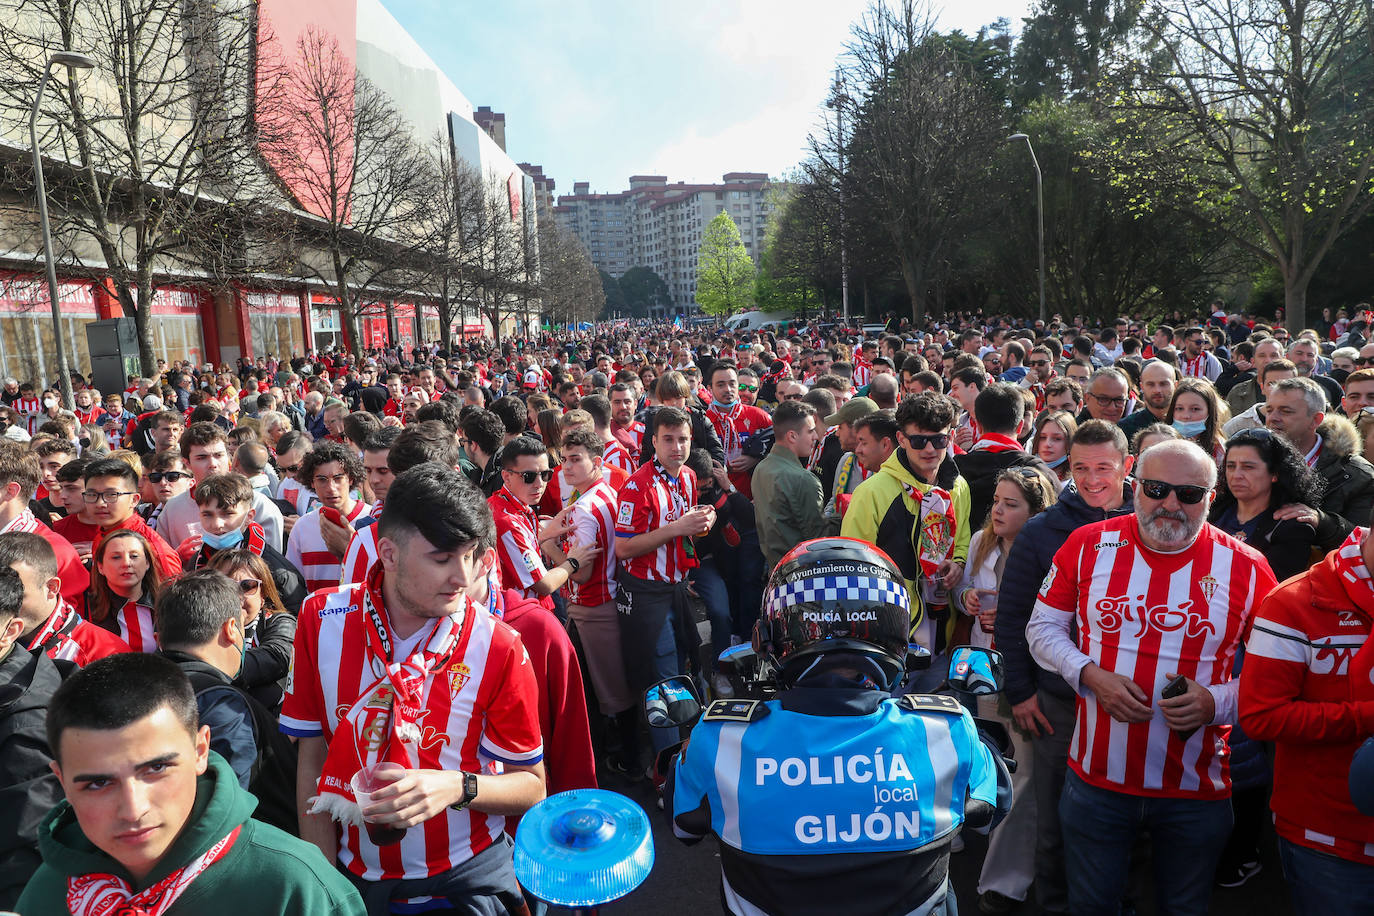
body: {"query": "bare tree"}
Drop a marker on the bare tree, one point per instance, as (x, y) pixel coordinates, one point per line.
(501, 257)
(913, 143)
(1258, 123)
(569, 284)
(347, 156)
(153, 154)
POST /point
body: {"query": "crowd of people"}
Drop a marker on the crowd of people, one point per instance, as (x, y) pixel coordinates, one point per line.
(340, 621)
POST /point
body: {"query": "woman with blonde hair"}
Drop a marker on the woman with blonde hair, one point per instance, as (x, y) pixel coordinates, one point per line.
(124, 589)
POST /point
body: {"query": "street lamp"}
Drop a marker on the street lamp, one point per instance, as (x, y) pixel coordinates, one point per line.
(72, 61)
(1040, 209)
(836, 101)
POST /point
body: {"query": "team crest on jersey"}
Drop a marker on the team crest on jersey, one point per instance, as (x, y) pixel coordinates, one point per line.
(626, 514)
(1049, 579)
(458, 676)
(1209, 586)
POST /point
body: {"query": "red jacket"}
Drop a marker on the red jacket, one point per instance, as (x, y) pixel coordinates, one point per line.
(1306, 687)
(70, 569)
(569, 761)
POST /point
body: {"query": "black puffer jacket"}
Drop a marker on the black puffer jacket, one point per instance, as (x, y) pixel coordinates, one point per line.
(1349, 497)
(28, 789)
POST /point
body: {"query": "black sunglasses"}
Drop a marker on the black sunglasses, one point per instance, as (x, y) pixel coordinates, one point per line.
(529, 476)
(248, 586)
(1188, 494)
(920, 441)
(289, 468)
(169, 476)
(1039, 363)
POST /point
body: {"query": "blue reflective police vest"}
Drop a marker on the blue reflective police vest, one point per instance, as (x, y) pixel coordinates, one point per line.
(788, 783)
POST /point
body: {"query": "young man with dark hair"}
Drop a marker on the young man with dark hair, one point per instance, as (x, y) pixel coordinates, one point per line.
(522, 542)
(483, 436)
(964, 387)
(613, 453)
(290, 452)
(19, 476)
(28, 786)
(918, 489)
(513, 414)
(51, 623)
(999, 410)
(656, 517)
(366, 658)
(735, 424)
(628, 431)
(111, 493)
(334, 473)
(428, 442)
(167, 476)
(788, 498)
(154, 821)
(204, 446)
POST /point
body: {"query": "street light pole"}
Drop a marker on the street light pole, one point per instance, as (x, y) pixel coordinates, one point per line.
(837, 102)
(72, 61)
(1040, 210)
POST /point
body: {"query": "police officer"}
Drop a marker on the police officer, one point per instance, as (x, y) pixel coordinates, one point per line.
(835, 797)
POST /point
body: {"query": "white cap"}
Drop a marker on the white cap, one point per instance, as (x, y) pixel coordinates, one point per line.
(531, 379)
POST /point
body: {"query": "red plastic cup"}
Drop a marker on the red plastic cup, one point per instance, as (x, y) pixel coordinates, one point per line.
(364, 783)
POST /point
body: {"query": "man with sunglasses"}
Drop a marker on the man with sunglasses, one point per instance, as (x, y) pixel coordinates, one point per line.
(1162, 601)
(523, 540)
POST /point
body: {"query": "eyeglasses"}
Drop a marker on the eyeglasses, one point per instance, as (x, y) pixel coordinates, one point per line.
(1039, 363)
(169, 476)
(249, 586)
(792, 397)
(109, 496)
(1188, 494)
(1104, 401)
(919, 441)
(529, 476)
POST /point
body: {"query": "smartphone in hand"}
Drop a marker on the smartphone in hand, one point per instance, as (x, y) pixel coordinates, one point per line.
(1177, 688)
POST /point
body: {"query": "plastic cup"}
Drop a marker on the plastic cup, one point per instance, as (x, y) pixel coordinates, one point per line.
(933, 591)
(364, 783)
(987, 601)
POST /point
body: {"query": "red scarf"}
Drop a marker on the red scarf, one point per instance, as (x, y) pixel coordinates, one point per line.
(254, 541)
(996, 442)
(110, 895)
(56, 630)
(383, 725)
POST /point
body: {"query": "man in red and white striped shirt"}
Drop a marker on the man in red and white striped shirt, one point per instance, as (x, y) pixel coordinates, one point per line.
(656, 518)
(628, 431)
(334, 472)
(1162, 601)
(30, 408)
(522, 542)
(1196, 362)
(409, 653)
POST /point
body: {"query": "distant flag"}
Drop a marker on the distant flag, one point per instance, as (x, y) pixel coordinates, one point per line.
(677, 321)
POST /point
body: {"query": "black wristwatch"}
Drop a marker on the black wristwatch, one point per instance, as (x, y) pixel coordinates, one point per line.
(469, 792)
(572, 561)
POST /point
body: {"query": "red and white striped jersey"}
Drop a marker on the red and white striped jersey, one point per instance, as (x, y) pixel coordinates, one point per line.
(517, 545)
(631, 436)
(593, 519)
(362, 553)
(481, 713)
(735, 427)
(306, 549)
(30, 412)
(559, 494)
(651, 499)
(1204, 365)
(136, 627)
(815, 458)
(1143, 614)
(863, 373)
(618, 456)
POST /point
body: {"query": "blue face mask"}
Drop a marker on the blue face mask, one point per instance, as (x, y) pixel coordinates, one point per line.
(1191, 428)
(1058, 461)
(715, 403)
(222, 541)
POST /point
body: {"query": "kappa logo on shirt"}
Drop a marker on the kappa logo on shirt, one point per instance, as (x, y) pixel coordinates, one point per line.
(630, 485)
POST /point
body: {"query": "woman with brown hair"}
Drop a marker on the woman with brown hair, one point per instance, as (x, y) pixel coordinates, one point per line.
(268, 627)
(1053, 432)
(124, 589)
(1196, 413)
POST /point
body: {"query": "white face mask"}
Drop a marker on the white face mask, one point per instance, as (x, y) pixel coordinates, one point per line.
(50, 403)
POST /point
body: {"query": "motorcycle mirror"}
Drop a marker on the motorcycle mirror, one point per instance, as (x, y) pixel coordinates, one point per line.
(671, 702)
(918, 658)
(975, 670)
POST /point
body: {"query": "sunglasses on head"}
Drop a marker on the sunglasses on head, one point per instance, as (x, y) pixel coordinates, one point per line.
(530, 476)
(169, 476)
(1188, 494)
(921, 440)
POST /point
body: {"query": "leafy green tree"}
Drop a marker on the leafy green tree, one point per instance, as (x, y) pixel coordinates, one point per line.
(615, 297)
(725, 272)
(644, 291)
(1066, 46)
(1258, 126)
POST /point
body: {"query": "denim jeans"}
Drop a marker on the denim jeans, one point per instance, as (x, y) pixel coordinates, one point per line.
(1100, 827)
(710, 585)
(667, 663)
(1319, 882)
